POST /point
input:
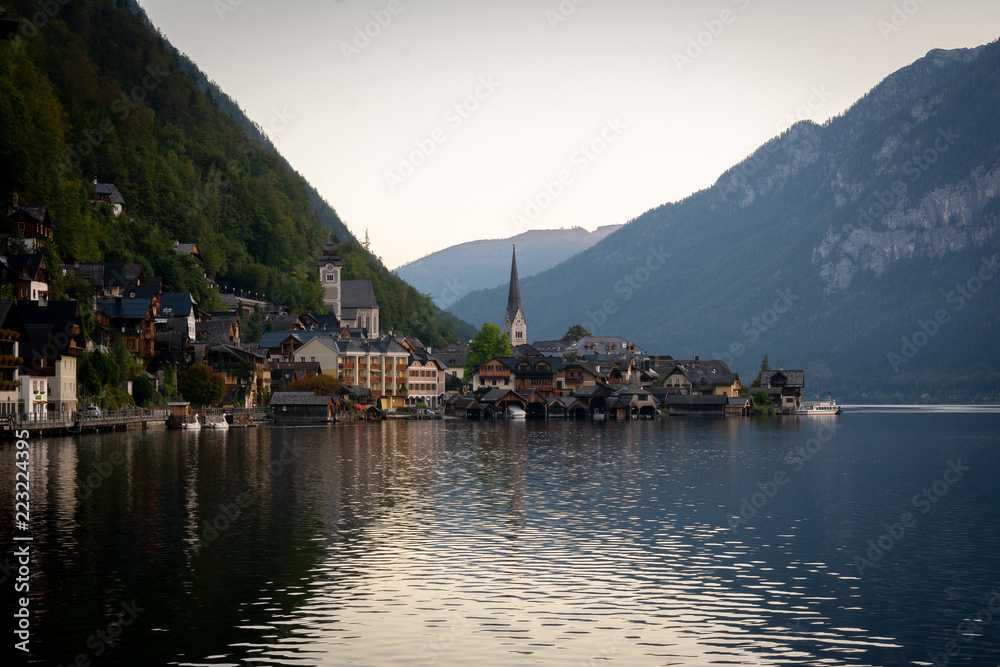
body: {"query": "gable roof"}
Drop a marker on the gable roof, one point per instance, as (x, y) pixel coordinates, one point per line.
(178, 303)
(39, 213)
(110, 191)
(299, 398)
(794, 379)
(357, 294)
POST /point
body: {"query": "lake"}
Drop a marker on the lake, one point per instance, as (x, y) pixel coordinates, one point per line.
(872, 538)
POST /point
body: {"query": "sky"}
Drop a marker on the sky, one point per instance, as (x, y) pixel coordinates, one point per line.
(428, 123)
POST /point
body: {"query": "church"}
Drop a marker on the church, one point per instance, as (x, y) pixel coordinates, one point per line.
(514, 324)
(352, 301)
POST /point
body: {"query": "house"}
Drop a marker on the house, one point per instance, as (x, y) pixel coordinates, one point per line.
(11, 332)
(704, 377)
(283, 373)
(32, 222)
(424, 380)
(188, 250)
(133, 317)
(108, 280)
(217, 332)
(54, 343)
(496, 372)
(378, 365)
(107, 193)
(579, 374)
(245, 371)
(179, 306)
(784, 387)
(302, 407)
(453, 359)
(29, 274)
(541, 374)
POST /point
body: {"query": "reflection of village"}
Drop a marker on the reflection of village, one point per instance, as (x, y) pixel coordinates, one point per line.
(602, 377)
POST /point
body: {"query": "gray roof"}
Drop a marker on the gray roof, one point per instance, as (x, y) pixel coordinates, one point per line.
(299, 398)
(110, 191)
(217, 330)
(121, 308)
(357, 294)
(106, 275)
(794, 378)
(602, 345)
(39, 213)
(178, 303)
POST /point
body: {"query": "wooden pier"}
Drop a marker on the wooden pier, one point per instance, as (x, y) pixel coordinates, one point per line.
(121, 420)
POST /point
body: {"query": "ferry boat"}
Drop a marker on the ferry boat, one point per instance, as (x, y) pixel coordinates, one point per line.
(828, 407)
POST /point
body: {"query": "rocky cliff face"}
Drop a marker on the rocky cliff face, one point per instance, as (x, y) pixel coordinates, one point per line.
(946, 221)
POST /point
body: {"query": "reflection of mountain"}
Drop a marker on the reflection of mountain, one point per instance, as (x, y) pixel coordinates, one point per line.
(823, 250)
(449, 274)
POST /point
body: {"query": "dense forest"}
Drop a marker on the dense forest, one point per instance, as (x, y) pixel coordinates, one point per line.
(93, 91)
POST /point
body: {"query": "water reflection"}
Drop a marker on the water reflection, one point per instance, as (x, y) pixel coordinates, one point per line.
(558, 543)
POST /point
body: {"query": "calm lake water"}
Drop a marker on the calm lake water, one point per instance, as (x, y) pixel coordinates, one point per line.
(868, 539)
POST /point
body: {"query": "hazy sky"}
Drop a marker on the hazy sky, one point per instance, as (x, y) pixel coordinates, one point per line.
(433, 122)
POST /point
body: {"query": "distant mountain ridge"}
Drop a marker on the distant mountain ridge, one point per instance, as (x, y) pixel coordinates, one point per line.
(831, 248)
(449, 274)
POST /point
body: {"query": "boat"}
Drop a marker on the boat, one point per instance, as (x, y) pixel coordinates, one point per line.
(828, 407)
(219, 424)
(194, 424)
(516, 412)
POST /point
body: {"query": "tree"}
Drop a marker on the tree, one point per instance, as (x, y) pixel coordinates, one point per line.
(762, 404)
(201, 385)
(765, 365)
(575, 333)
(319, 385)
(489, 342)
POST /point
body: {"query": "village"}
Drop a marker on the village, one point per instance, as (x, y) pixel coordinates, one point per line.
(380, 375)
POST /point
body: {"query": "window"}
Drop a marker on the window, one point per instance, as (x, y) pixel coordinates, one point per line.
(312, 359)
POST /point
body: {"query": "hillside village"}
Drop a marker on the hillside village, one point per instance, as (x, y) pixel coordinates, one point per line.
(42, 340)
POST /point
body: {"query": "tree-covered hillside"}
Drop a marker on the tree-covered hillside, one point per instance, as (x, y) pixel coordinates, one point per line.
(95, 92)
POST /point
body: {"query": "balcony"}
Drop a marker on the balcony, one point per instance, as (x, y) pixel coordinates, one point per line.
(10, 361)
(9, 335)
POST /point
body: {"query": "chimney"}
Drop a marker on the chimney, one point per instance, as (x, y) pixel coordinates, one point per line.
(95, 180)
(15, 200)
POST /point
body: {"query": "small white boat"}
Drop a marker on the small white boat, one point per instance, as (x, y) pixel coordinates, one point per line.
(828, 407)
(219, 424)
(515, 412)
(194, 424)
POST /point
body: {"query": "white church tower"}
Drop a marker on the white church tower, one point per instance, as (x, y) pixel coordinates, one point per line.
(330, 265)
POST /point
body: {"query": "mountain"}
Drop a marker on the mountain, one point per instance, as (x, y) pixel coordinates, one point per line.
(448, 274)
(863, 250)
(90, 89)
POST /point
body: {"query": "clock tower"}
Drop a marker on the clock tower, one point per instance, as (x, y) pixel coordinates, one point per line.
(330, 264)
(514, 324)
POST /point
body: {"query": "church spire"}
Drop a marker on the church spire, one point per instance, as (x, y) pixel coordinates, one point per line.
(514, 324)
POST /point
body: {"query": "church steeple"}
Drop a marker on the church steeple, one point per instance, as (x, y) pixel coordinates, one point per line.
(514, 323)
